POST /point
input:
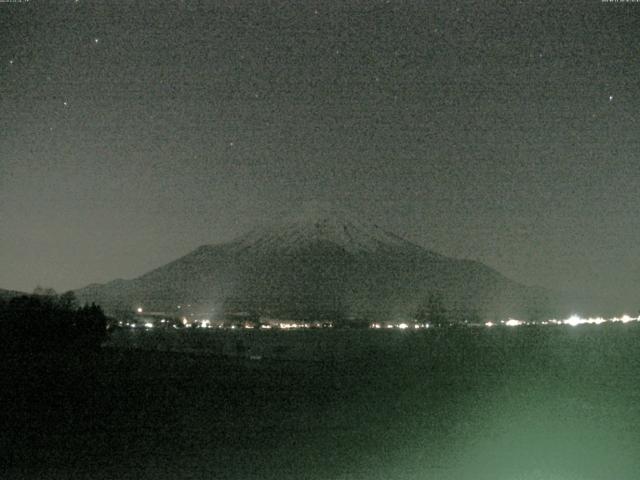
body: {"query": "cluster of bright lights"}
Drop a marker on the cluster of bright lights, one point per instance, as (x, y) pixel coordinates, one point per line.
(288, 326)
(625, 319)
(399, 326)
(512, 322)
(573, 321)
(205, 323)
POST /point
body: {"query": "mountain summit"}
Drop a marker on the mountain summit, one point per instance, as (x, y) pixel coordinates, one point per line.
(322, 262)
(321, 223)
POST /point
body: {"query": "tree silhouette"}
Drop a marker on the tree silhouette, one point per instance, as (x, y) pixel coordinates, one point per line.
(68, 301)
(44, 292)
(432, 310)
(42, 322)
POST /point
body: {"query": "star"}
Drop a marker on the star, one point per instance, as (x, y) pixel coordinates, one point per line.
(65, 103)
(10, 62)
(610, 98)
(96, 40)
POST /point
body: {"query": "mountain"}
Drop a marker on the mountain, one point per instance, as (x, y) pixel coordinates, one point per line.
(322, 262)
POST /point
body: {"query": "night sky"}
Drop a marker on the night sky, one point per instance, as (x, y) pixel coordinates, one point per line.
(506, 132)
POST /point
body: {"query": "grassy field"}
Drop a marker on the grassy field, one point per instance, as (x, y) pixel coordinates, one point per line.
(501, 404)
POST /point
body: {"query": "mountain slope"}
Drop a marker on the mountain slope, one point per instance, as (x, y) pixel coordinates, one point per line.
(321, 263)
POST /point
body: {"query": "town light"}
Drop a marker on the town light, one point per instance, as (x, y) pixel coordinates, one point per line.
(573, 320)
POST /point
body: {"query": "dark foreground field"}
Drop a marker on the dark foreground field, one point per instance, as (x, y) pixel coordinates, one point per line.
(557, 403)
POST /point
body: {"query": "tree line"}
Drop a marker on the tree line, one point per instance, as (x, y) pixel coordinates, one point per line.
(46, 321)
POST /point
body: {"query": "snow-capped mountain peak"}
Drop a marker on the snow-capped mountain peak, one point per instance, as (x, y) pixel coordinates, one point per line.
(321, 222)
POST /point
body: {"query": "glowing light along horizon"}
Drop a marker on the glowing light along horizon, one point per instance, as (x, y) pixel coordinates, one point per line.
(513, 322)
(573, 321)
